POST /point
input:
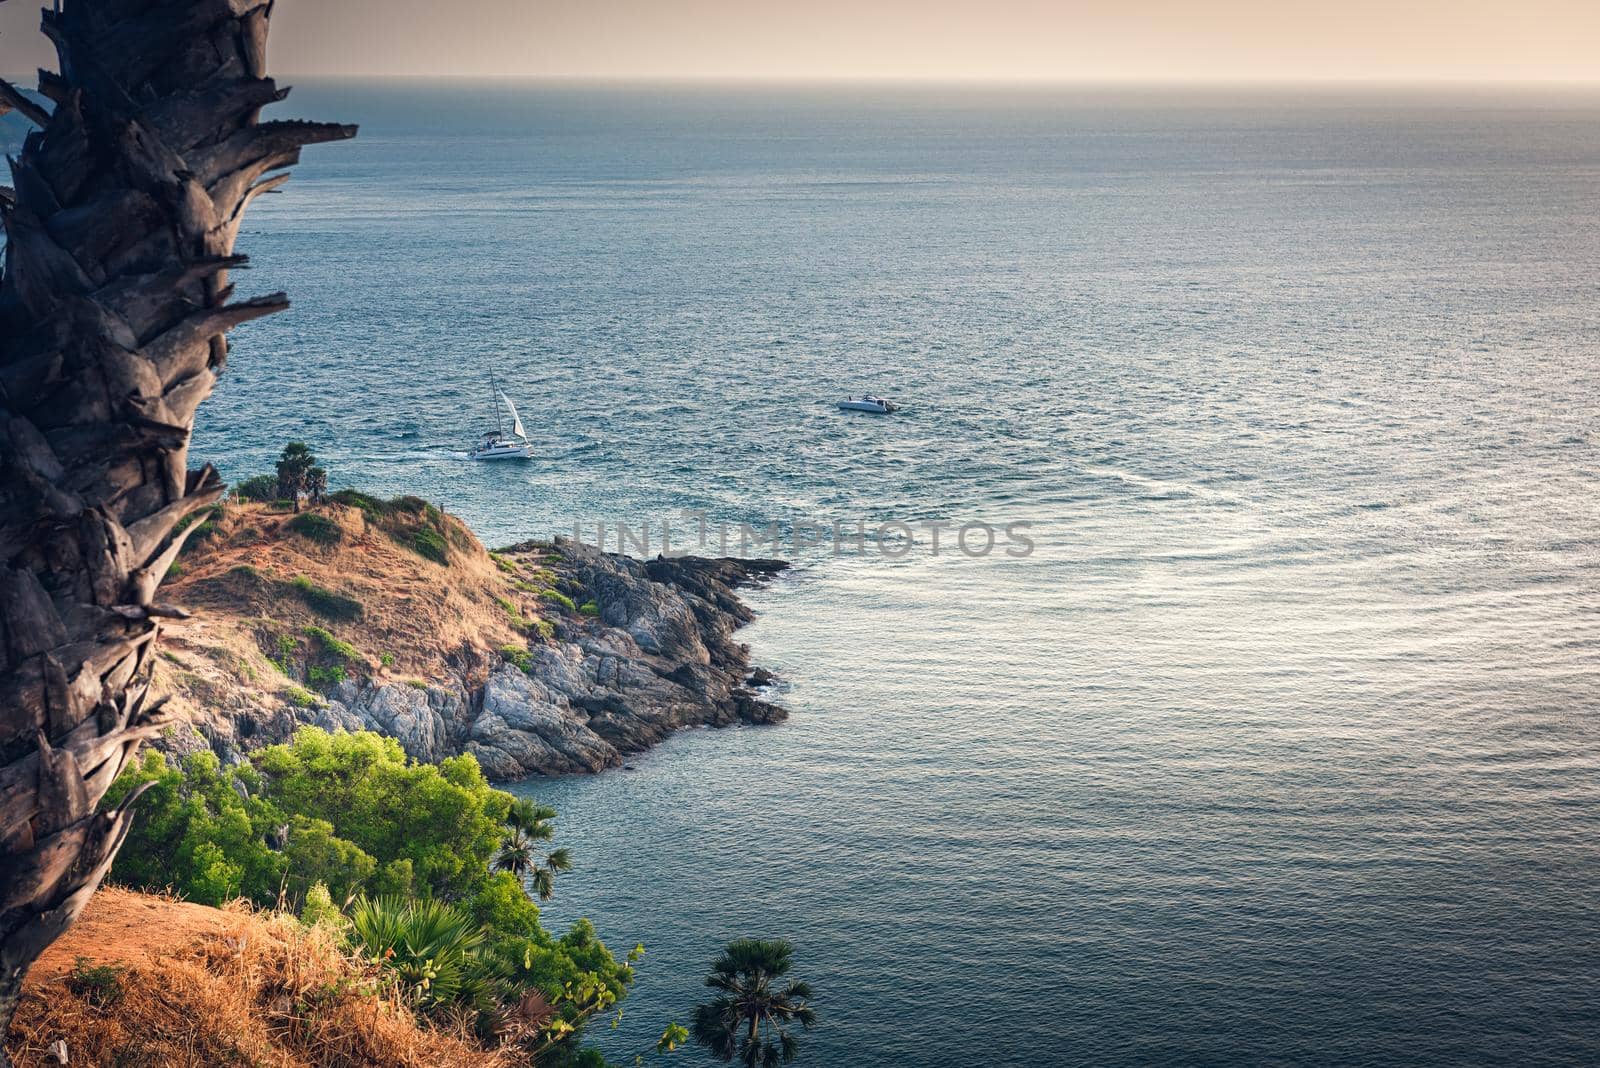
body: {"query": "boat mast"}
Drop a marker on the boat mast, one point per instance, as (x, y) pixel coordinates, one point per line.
(494, 401)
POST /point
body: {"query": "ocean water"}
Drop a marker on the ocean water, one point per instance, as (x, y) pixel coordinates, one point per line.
(1280, 748)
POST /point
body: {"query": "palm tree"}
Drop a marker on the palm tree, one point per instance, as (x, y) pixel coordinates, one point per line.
(294, 469)
(113, 308)
(433, 948)
(746, 1021)
(527, 824)
(316, 484)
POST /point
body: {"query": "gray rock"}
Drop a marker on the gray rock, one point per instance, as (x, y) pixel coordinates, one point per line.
(660, 657)
(405, 714)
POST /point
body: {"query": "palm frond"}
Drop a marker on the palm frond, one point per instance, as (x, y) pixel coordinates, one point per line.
(746, 1021)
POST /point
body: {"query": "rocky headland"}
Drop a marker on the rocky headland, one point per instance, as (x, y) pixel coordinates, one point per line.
(547, 657)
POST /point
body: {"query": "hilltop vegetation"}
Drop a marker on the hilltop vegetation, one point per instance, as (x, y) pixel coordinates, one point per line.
(289, 605)
(380, 863)
(358, 613)
(417, 869)
(149, 982)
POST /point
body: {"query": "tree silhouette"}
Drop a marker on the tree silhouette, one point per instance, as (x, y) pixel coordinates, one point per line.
(316, 484)
(746, 1022)
(527, 825)
(294, 465)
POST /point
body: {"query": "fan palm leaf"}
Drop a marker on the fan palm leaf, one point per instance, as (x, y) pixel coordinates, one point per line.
(747, 1021)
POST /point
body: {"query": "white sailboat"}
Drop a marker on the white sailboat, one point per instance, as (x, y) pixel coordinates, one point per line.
(497, 444)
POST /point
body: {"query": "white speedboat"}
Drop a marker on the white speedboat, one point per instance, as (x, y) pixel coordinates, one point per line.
(498, 444)
(868, 403)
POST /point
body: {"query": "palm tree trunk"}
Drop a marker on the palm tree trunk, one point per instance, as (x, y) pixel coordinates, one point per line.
(113, 306)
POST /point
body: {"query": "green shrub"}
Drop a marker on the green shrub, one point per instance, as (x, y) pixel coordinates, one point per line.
(319, 908)
(545, 629)
(503, 564)
(386, 659)
(414, 505)
(589, 608)
(257, 488)
(518, 656)
(433, 949)
(99, 985)
(430, 544)
(331, 815)
(325, 602)
(515, 614)
(417, 684)
(333, 646)
(299, 696)
(560, 598)
(204, 526)
(325, 678)
(371, 506)
(244, 571)
(316, 528)
(395, 877)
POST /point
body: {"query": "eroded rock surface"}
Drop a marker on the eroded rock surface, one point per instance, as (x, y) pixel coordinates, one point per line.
(655, 652)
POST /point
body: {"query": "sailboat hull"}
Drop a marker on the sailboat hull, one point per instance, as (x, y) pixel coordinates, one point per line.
(504, 452)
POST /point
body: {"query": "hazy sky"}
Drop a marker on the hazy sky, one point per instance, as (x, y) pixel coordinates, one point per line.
(1222, 40)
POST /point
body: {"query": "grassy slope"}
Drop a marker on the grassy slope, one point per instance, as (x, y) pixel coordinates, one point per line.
(401, 615)
(198, 986)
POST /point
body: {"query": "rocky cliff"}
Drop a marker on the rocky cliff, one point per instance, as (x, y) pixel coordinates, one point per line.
(546, 657)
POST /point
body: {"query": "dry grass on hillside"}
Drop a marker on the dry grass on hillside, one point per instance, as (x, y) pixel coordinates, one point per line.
(198, 987)
(410, 606)
(262, 582)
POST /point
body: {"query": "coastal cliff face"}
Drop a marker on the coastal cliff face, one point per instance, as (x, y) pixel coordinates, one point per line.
(545, 658)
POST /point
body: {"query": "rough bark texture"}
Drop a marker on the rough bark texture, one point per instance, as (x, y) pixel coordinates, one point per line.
(113, 304)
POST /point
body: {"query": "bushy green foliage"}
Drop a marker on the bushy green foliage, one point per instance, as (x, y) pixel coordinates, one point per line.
(345, 823)
(299, 696)
(100, 985)
(257, 488)
(325, 602)
(589, 608)
(294, 465)
(326, 677)
(317, 528)
(430, 544)
(433, 949)
(557, 597)
(319, 908)
(334, 647)
(518, 656)
(201, 831)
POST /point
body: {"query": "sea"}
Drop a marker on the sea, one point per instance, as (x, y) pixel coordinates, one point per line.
(1267, 729)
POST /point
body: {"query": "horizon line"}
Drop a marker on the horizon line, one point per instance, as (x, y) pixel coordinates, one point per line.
(965, 80)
